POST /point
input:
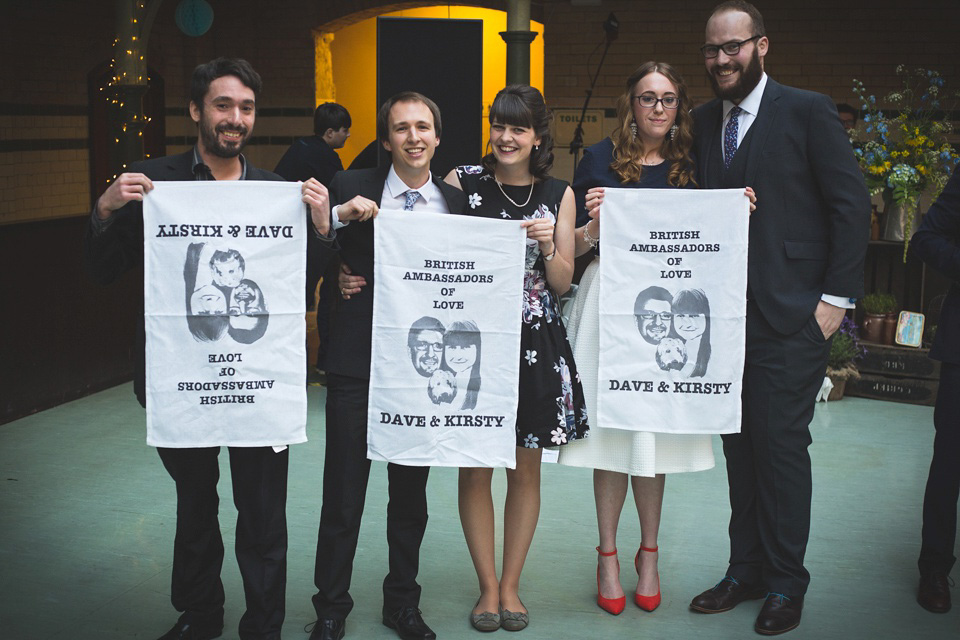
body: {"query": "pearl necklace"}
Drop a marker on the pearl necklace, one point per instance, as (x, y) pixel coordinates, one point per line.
(512, 201)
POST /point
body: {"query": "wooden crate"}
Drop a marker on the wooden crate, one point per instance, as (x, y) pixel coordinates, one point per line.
(899, 361)
(897, 374)
(909, 390)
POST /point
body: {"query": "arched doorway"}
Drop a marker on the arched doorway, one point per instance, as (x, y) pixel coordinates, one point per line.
(346, 68)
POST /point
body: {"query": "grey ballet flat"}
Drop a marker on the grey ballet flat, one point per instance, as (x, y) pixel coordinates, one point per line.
(485, 620)
(513, 620)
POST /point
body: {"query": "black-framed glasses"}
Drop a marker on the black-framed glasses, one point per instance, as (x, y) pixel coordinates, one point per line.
(665, 316)
(649, 101)
(422, 346)
(731, 48)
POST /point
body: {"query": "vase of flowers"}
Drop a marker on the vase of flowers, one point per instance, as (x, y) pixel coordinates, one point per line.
(905, 150)
(845, 350)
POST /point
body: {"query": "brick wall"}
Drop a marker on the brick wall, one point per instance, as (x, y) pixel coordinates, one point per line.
(50, 46)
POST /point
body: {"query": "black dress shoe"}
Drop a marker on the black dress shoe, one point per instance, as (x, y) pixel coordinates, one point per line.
(779, 614)
(934, 592)
(190, 631)
(408, 624)
(727, 594)
(328, 629)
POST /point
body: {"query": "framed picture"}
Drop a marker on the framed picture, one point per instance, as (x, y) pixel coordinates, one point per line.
(910, 329)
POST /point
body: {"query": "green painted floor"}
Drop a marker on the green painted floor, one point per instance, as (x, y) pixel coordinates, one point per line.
(88, 519)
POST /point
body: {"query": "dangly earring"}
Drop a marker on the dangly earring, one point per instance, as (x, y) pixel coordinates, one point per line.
(536, 147)
(673, 132)
(633, 128)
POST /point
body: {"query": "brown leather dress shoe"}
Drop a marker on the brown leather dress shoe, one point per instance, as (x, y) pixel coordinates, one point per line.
(934, 592)
(779, 614)
(727, 594)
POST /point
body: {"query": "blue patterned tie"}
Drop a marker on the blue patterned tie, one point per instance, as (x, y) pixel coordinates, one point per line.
(730, 133)
(412, 196)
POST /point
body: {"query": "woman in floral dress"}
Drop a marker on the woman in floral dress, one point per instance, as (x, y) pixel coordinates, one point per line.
(512, 183)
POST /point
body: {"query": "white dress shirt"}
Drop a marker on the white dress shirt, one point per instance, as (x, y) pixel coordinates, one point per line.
(395, 196)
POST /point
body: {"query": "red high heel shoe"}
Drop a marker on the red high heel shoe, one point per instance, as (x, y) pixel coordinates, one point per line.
(647, 603)
(610, 605)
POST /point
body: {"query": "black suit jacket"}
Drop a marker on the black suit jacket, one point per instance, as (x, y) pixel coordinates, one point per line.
(352, 320)
(809, 233)
(119, 247)
(935, 242)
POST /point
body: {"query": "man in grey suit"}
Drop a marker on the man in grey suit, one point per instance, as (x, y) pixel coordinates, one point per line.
(808, 239)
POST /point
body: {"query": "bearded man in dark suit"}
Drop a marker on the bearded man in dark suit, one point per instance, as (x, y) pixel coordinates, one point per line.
(807, 243)
(223, 96)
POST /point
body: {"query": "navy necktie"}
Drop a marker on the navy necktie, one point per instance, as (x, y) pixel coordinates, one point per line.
(730, 133)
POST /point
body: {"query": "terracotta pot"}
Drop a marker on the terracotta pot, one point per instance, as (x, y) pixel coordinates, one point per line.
(837, 392)
(889, 328)
(871, 329)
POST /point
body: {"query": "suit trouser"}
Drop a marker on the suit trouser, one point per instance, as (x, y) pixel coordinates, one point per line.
(259, 478)
(768, 465)
(943, 483)
(345, 474)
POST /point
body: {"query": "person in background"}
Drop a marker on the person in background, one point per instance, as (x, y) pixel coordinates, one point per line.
(316, 157)
(937, 243)
(848, 116)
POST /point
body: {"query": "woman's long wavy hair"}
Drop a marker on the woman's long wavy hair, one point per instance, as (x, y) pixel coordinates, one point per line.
(628, 150)
(522, 106)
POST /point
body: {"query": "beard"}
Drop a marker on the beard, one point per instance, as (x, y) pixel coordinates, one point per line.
(749, 78)
(212, 143)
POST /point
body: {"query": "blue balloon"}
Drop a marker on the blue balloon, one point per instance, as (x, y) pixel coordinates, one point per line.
(194, 17)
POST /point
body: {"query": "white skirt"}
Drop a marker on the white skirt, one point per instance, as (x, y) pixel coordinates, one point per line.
(636, 453)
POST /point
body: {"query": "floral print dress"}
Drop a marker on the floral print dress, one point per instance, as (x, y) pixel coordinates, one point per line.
(552, 410)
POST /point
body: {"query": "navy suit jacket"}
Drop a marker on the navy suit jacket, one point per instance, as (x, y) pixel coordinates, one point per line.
(935, 242)
(351, 323)
(809, 233)
(119, 247)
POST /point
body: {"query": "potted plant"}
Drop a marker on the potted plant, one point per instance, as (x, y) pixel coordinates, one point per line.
(906, 149)
(879, 323)
(845, 350)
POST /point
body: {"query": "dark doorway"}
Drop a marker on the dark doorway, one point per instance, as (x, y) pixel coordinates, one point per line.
(446, 65)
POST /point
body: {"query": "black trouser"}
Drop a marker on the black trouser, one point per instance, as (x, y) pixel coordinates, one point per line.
(768, 465)
(260, 495)
(345, 473)
(943, 483)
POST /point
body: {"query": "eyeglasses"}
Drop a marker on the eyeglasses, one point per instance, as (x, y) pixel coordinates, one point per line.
(665, 316)
(431, 346)
(731, 48)
(649, 101)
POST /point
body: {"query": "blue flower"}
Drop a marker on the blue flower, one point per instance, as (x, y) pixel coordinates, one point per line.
(866, 118)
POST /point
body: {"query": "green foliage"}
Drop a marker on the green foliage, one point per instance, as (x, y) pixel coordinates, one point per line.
(879, 303)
